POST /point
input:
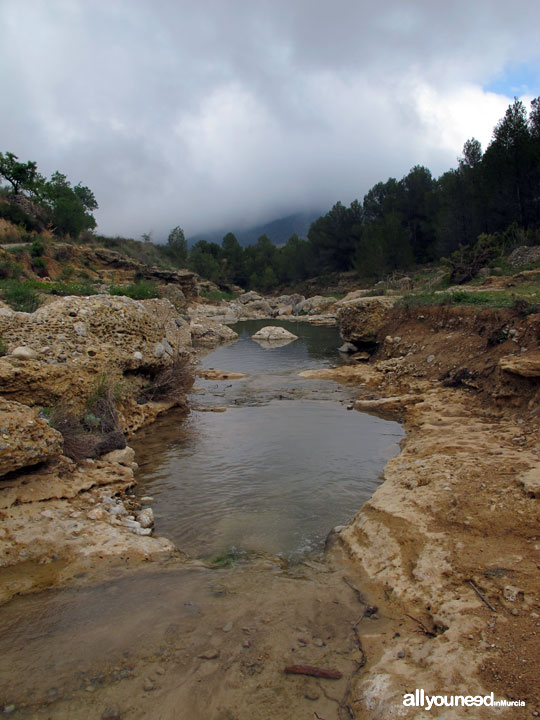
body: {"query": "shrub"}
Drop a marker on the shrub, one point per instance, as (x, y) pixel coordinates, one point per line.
(524, 307)
(78, 444)
(39, 267)
(97, 430)
(3, 346)
(37, 249)
(63, 253)
(9, 269)
(22, 297)
(170, 384)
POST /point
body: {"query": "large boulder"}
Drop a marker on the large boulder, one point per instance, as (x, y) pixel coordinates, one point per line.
(62, 349)
(25, 438)
(256, 308)
(361, 320)
(271, 333)
(249, 297)
(209, 332)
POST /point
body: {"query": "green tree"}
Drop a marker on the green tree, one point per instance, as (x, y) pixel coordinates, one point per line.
(177, 249)
(268, 279)
(71, 208)
(21, 176)
(234, 261)
(205, 262)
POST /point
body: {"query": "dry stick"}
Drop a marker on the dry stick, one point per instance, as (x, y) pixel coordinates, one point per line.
(422, 627)
(482, 598)
(314, 671)
(356, 591)
(344, 704)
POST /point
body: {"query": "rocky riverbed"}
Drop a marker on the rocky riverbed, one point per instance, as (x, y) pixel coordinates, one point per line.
(447, 549)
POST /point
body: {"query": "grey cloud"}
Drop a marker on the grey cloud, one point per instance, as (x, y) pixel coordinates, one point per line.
(213, 113)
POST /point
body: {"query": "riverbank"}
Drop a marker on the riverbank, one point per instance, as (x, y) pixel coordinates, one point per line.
(450, 540)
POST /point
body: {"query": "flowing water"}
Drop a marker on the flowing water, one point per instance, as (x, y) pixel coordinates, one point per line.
(268, 477)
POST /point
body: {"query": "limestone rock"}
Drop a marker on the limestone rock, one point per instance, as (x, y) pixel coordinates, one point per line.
(387, 404)
(210, 332)
(249, 297)
(531, 481)
(123, 457)
(315, 305)
(523, 365)
(25, 439)
(119, 334)
(347, 347)
(257, 308)
(286, 300)
(362, 319)
(146, 518)
(24, 353)
(271, 333)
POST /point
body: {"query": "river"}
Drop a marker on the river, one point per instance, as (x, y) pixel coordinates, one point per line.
(255, 489)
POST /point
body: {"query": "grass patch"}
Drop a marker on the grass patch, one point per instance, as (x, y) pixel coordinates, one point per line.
(459, 297)
(142, 290)
(227, 559)
(73, 288)
(217, 295)
(21, 296)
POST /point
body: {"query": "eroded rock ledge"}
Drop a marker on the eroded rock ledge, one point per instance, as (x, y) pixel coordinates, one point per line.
(106, 366)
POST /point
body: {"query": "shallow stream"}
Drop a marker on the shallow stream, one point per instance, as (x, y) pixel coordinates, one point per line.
(261, 483)
(279, 468)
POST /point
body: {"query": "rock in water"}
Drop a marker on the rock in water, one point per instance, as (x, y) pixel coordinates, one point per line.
(146, 518)
(271, 333)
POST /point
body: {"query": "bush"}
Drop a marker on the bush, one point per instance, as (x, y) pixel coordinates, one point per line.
(10, 270)
(63, 253)
(3, 346)
(170, 384)
(524, 307)
(97, 430)
(37, 249)
(39, 267)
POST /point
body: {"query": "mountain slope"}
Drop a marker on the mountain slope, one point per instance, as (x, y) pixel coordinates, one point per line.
(279, 230)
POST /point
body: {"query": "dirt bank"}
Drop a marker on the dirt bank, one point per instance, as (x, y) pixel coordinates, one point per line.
(451, 539)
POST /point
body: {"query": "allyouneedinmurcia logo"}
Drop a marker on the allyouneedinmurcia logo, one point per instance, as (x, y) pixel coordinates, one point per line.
(420, 699)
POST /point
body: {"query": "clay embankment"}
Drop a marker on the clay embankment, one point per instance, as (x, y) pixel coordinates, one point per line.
(97, 368)
(452, 536)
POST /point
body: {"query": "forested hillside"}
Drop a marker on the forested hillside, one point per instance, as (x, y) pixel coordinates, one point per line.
(470, 215)
(492, 195)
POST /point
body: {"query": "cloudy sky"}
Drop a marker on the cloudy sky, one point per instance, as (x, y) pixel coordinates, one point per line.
(218, 113)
